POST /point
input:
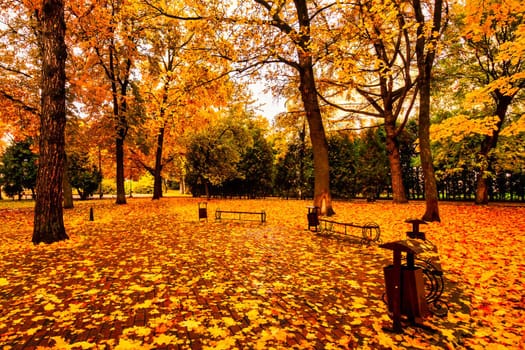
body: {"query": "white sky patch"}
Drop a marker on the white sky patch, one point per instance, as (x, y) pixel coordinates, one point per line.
(265, 103)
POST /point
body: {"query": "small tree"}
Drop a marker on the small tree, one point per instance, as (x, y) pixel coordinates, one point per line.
(213, 155)
(344, 160)
(18, 170)
(84, 176)
(294, 172)
(256, 166)
(373, 168)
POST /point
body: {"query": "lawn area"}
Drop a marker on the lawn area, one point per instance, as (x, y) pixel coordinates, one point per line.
(149, 275)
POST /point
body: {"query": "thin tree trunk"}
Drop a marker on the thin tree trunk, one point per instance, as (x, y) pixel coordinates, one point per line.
(157, 182)
(122, 131)
(394, 158)
(431, 193)
(121, 190)
(489, 143)
(425, 54)
(182, 185)
(48, 220)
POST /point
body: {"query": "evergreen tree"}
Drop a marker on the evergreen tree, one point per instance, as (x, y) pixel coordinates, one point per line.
(18, 170)
(84, 176)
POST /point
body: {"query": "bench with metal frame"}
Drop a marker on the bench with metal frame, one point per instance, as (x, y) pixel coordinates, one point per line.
(240, 215)
(370, 232)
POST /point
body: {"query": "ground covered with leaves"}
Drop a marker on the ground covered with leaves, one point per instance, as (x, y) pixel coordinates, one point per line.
(150, 275)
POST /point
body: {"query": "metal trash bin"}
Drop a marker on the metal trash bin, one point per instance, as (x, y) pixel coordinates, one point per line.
(313, 217)
(404, 283)
(203, 211)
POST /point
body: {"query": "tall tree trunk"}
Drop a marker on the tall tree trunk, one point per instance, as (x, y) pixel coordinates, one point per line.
(119, 152)
(307, 88)
(157, 182)
(302, 154)
(48, 220)
(322, 196)
(119, 113)
(425, 55)
(122, 130)
(489, 143)
(394, 158)
(431, 193)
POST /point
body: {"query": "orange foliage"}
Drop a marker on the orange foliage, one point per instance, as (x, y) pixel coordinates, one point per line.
(149, 274)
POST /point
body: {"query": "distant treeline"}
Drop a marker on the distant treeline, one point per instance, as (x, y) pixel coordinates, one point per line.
(359, 168)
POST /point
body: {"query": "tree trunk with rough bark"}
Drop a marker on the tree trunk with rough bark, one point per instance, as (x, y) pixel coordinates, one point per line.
(396, 170)
(48, 219)
(322, 196)
(431, 193)
(307, 88)
(120, 113)
(119, 152)
(157, 182)
(489, 143)
(425, 55)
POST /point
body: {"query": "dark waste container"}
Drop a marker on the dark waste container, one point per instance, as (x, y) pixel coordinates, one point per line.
(404, 283)
(203, 211)
(313, 217)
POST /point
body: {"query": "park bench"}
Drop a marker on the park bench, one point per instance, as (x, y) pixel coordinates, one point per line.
(240, 215)
(370, 232)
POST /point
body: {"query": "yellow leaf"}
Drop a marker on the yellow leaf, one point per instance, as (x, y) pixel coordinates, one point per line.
(49, 307)
(60, 343)
(3, 282)
(228, 321)
(217, 332)
(140, 331)
(165, 339)
(32, 331)
(145, 305)
(278, 334)
(191, 324)
(252, 315)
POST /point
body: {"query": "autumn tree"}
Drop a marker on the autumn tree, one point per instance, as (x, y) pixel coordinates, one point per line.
(84, 175)
(49, 221)
(494, 31)
(256, 33)
(288, 30)
(19, 71)
(375, 64)
(107, 34)
(179, 79)
(214, 154)
(428, 16)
